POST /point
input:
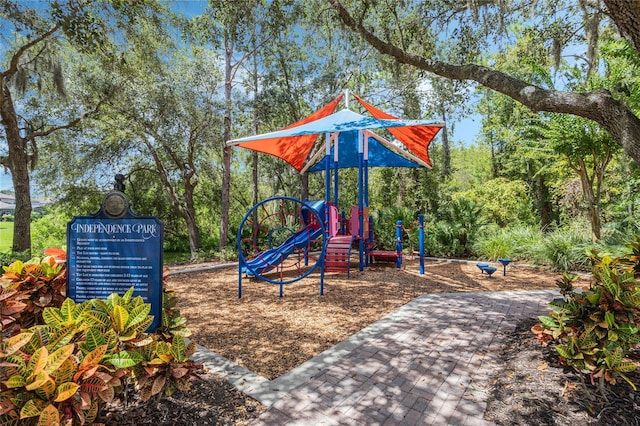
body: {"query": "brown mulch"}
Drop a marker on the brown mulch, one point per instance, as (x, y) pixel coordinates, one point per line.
(271, 335)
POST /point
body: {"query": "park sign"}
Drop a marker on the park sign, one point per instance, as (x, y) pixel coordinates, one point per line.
(114, 250)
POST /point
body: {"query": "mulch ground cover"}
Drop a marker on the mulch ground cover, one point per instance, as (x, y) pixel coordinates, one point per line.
(271, 335)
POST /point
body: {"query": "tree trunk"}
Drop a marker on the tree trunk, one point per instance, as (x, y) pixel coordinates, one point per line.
(19, 167)
(304, 186)
(446, 149)
(189, 215)
(591, 198)
(626, 15)
(545, 209)
(18, 164)
(226, 150)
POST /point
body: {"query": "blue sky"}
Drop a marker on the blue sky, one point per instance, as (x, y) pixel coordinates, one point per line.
(465, 131)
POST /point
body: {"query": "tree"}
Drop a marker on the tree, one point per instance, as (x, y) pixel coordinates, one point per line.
(33, 78)
(588, 150)
(32, 69)
(600, 105)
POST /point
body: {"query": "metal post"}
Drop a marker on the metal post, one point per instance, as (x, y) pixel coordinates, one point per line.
(361, 198)
(421, 241)
(399, 244)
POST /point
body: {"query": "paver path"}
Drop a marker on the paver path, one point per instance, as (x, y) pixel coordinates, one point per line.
(431, 362)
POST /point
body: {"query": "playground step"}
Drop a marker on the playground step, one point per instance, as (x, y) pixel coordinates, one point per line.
(338, 255)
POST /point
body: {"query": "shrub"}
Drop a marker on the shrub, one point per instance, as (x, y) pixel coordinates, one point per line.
(594, 330)
(78, 356)
(563, 249)
(514, 243)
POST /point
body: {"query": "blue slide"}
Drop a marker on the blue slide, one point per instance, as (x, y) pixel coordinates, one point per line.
(269, 259)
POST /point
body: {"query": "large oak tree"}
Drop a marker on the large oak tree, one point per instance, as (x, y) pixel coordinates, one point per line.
(405, 38)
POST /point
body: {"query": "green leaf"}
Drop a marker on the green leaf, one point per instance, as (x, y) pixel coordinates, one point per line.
(548, 321)
(610, 319)
(66, 391)
(99, 319)
(564, 351)
(94, 338)
(178, 348)
(37, 362)
(126, 298)
(66, 310)
(80, 310)
(124, 359)
(138, 314)
(56, 359)
(49, 416)
(32, 408)
(15, 381)
(52, 316)
(593, 298)
(625, 366)
(14, 343)
(628, 328)
(120, 318)
(39, 339)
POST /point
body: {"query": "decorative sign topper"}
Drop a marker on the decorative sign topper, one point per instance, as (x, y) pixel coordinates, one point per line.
(114, 250)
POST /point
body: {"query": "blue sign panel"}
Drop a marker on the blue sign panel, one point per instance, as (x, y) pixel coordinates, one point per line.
(107, 256)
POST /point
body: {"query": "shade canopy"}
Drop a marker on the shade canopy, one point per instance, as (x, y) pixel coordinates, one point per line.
(295, 142)
(380, 154)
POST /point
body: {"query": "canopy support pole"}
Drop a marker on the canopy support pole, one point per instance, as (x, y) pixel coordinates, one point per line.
(327, 180)
(361, 197)
(336, 136)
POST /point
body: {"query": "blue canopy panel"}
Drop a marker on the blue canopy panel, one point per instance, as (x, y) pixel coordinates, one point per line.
(379, 154)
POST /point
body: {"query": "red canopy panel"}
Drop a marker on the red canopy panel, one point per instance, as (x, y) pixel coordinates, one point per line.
(417, 139)
(293, 149)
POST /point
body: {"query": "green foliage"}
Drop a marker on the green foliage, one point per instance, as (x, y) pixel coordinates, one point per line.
(594, 330)
(50, 230)
(81, 356)
(504, 202)
(563, 249)
(385, 224)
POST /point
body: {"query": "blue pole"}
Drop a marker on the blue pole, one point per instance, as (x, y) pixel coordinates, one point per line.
(327, 178)
(421, 242)
(370, 242)
(399, 244)
(361, 199)
(335, 182)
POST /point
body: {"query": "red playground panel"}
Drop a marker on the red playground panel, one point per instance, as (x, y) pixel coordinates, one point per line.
(386, 256)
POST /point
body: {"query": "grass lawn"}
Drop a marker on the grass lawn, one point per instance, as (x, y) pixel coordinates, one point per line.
(6, 235)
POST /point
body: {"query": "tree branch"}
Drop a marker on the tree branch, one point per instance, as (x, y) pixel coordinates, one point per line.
(70, 124)
(598, 105)
(15, 59)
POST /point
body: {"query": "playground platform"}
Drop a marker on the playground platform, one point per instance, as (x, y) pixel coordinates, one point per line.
(431, 362)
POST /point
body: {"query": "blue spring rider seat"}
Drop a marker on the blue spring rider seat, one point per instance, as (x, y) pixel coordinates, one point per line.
(485, 267)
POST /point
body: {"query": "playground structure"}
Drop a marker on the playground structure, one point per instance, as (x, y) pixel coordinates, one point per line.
(282, 240)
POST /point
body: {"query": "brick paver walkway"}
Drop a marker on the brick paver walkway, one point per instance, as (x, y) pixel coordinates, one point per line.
(431, 362)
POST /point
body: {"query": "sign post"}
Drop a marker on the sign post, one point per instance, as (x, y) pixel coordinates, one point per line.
(114, 250)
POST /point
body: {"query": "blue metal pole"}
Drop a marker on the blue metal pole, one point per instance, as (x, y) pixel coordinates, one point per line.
(421, 242)
(361, 198)
(335, 172)
(399, 244)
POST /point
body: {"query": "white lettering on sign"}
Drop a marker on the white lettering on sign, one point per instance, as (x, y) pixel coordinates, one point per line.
(143, 230)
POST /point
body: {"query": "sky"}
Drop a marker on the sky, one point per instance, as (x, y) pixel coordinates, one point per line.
(465, 131)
